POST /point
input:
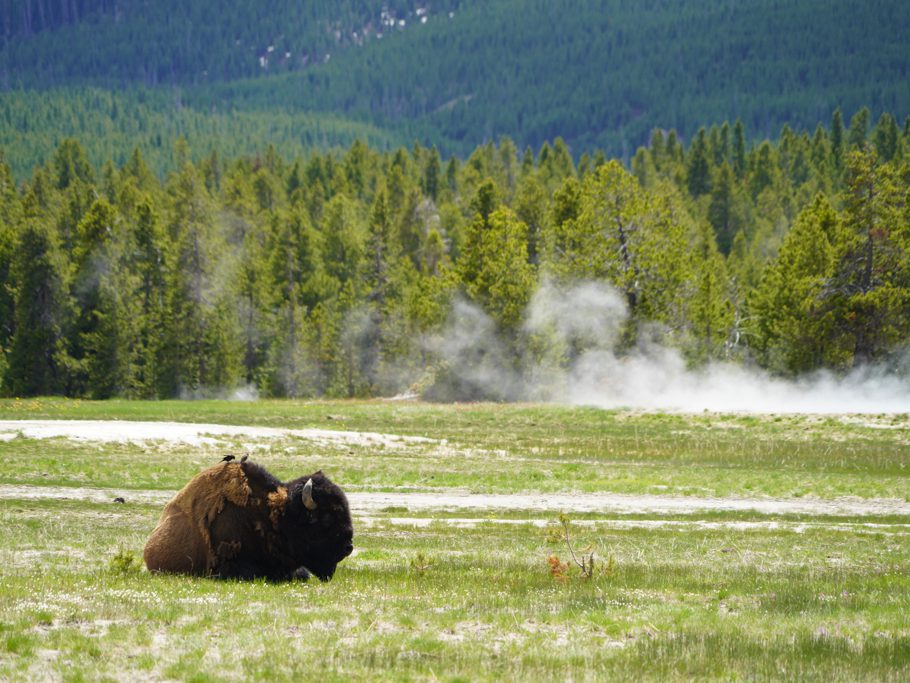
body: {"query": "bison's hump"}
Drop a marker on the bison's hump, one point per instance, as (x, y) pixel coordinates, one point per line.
(183, 530)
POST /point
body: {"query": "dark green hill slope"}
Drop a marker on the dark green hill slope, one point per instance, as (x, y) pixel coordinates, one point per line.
(457, 73)
(60, 42)
(605, 73)
(110, 125)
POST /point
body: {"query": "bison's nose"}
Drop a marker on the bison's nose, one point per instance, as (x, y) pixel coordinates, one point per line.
(348, 549)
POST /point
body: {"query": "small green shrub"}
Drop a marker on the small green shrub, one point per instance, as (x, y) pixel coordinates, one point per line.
(420, 563)
(124, 562)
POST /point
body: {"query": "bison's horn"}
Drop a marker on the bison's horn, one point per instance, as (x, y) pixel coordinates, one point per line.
(307, 495)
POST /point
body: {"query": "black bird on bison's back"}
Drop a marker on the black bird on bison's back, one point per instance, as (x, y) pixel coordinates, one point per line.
(235, 520)
(227, 458)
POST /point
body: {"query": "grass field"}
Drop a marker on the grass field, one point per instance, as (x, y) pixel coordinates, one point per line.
(474, 593)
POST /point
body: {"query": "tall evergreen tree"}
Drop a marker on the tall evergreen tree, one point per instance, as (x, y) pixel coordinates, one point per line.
(869, 290)
(837, 140)
(739, 149)
(10, 221)
(71, 164)
(498, 277)
(146, 261)
(100, 339)
(432, 174)
(720, 210)
(35, 362)
(710, 312)
(886, 137)
(201, 351)
(859, 129)
(792, 332)
(698, 167)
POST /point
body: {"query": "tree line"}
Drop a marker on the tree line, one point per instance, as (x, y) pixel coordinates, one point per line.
(327, 275)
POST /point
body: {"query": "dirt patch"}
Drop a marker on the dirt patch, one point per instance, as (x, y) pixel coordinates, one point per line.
(368, 503)
(124, 431)
(621, 503)
(371, 503)
(87, 494)
(626, 524)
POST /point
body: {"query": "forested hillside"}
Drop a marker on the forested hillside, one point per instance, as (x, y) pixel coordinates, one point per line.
(603, 75)
(112, 124)
(452, 73)
(113, 42)
(369, 272)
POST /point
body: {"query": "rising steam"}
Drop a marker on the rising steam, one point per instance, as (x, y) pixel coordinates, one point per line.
(570, 357)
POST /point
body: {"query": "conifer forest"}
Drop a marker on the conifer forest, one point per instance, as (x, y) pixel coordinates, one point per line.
(365, 272)
(372, 199)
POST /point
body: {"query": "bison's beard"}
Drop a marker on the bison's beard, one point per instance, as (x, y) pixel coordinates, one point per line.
(322, 571)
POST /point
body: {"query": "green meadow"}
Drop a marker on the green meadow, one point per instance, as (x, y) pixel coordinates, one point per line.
(474, 593)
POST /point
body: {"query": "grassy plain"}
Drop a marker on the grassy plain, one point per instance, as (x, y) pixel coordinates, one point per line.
(429, 596)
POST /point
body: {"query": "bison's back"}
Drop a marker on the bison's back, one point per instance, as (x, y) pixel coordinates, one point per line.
(181, 542)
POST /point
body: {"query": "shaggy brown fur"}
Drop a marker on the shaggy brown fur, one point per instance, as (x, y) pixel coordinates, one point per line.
(235, 520)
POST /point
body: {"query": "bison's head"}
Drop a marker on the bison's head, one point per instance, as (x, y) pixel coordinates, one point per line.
(319, 529)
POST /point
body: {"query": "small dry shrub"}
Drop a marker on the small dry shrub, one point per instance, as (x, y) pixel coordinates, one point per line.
(584, 560)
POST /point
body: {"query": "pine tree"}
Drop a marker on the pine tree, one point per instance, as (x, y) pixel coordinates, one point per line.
(71, 164)
(432, 174)
(739, 150)
(792, 332)
(720, 210)
(10, 221)
(146, 261)
(344, 241)
(531, 207)
(765, 172)
(837, 140)
(722, 152)
(820, 155)
(495, 273)
(452, 175)
(101, 338)
(372, 323)
(859, 128)
(356, 167)
(710, 312)
(201, 351)
(137, 170)
(698, 166)
(868, 291)
(470, 260)
(560, 234)
(886, 137)
(35, 356)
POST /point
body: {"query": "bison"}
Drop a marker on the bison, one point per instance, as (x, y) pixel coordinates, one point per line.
(236, 521)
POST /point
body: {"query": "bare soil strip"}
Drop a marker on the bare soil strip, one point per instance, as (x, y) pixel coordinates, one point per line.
(365, 503)
(371, 503)
(124, 431)
(889, 529)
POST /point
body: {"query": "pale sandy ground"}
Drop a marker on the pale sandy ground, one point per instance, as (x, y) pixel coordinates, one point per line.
(367, 504)
(371, 503)
(183, 432)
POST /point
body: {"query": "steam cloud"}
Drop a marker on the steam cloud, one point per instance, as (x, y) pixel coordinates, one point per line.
(582, 323)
